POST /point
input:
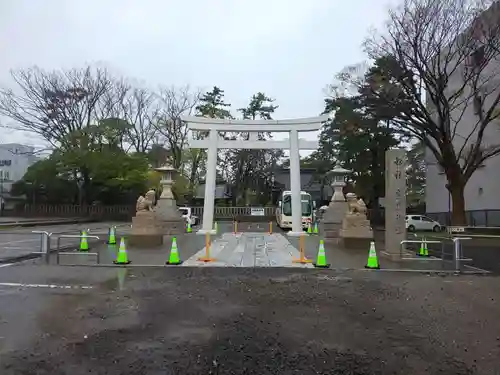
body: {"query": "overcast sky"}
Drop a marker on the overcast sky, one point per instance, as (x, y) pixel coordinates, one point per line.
(289, 49)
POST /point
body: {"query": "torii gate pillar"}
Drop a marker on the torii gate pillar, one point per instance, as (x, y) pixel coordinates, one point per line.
(213, 144)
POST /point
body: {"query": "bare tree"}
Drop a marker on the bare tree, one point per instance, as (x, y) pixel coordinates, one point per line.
(347, 82)
(55, 104)
(436, 77)
(175, 102)
(140, 110)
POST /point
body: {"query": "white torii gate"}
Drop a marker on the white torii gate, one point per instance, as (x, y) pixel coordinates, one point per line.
(213, 143)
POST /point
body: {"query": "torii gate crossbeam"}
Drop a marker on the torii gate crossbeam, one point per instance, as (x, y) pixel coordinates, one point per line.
(213, 143)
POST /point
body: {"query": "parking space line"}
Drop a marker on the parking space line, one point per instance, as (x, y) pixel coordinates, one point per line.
(477, 268)
(49, 286)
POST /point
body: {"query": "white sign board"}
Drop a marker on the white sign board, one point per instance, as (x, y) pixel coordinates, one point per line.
(257, 211)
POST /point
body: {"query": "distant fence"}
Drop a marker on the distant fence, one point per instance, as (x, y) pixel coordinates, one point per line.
(100, 212)
(126, 212)
(487, 218)
(475, 218)
(239, 213)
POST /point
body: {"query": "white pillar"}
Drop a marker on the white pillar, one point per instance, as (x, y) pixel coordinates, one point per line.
(210, 179)
(295, 185)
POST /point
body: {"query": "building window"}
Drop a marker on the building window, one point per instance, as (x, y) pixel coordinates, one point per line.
(4, 175)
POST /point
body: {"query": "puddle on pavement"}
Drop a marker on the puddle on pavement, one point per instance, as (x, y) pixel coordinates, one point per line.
(119, 281)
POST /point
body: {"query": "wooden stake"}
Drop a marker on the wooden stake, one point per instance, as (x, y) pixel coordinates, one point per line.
(207, 258)
(302, 258)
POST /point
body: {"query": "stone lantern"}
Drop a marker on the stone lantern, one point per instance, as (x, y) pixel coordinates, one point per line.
(339, 179)
(167, 173)
(166, 209)
(332, 219)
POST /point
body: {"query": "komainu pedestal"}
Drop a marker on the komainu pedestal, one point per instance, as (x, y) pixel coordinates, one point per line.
(356, 232)
(146, 229)
(169, 218)
(332, 220)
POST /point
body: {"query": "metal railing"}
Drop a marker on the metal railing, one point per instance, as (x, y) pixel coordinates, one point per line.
(120, 211)
(457, 254)
(70, 210)
(58, 253)
(23, 252)
(402, 249)
(49, 243)
(44, 244)
(481, 218)
(221, 212)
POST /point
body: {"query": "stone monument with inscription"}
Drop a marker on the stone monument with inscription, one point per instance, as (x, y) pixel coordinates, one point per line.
(395, 202)
(169, 216)
(356, 232)
(334, 214)
(146, 230)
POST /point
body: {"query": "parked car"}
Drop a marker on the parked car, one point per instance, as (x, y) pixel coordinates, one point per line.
(422, 223)
(188, 216)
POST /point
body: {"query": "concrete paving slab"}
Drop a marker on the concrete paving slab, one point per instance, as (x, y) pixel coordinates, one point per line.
(248, 249)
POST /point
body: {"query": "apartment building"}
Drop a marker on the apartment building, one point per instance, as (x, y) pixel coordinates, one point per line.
(14, 162)
(482, 197)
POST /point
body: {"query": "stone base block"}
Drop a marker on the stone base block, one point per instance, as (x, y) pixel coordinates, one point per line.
(145, 240)
(332, 240)
(173, 228)
(356, 243)
(395, 257)
(331, 234)
(330, 230)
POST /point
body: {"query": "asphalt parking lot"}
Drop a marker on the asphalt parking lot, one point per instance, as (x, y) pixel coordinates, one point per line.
(20, 242)
(245, 316)
(193, 320)
(252, 246)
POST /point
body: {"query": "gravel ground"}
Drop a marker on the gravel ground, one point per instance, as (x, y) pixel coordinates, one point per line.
(249, 321)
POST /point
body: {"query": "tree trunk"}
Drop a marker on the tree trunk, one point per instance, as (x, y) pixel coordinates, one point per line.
(455, 185)
(192, 177)
(458, 204)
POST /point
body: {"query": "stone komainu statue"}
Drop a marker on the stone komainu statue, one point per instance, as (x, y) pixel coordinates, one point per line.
(356, 206)
(146, 203)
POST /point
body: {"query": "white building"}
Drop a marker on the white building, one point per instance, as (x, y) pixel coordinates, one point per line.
(482, 191)
(14, 162)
